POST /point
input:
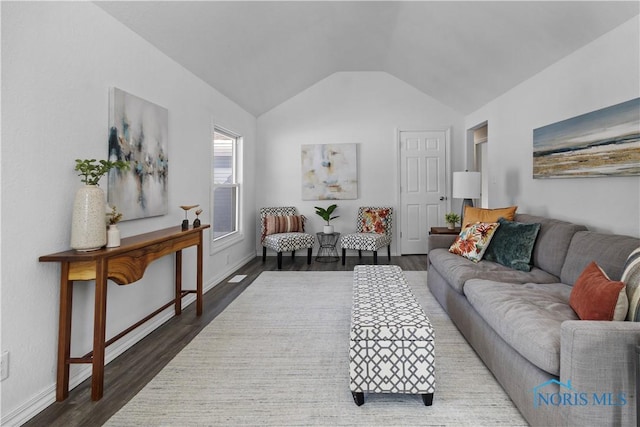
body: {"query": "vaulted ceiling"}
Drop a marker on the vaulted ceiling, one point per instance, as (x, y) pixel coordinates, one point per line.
(462, 53)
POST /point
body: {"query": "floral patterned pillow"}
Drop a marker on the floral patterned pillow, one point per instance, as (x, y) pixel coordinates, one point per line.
(375, 220)
(474, 240)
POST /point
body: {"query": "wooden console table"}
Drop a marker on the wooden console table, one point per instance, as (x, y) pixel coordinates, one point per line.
(124, 265)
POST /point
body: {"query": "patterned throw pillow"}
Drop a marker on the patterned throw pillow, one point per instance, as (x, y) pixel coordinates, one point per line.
(473, 240)
(596, 297)
(375, 220)
(631, 279)
(274, 224)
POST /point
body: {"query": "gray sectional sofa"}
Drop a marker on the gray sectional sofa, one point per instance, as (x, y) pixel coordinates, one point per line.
(557, 369)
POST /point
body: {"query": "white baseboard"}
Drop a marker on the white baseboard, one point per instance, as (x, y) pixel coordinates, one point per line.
(42, 400)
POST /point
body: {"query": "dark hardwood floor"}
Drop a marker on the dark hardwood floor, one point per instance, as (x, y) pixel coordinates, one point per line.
(131, 371)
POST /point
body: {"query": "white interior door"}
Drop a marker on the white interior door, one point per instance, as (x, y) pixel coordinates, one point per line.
(423, 192)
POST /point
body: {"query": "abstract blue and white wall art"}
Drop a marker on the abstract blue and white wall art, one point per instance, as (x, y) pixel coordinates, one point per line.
(139, 135)
(329, 172)
(604, 142)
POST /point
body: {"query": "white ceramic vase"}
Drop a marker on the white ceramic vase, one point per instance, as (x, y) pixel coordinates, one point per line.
(88, 225)
(113, 236)
(328, 229)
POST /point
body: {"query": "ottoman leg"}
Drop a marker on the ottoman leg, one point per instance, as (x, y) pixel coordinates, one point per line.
(358, 397)
(427, 399)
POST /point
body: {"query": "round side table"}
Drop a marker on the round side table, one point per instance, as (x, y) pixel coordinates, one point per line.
(327, 251)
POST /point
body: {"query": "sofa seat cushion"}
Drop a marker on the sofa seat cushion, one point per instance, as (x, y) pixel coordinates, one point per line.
(526, 316)
(457, 270)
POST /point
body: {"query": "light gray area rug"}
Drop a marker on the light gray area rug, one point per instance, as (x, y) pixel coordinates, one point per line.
(278, 356)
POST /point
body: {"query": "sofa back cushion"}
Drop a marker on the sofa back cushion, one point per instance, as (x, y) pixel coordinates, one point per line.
(609, 251)
(552, 243)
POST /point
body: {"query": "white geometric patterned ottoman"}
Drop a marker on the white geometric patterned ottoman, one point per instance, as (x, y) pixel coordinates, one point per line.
(391, 345)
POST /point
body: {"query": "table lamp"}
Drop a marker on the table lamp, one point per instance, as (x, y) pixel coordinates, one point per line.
(466, 185)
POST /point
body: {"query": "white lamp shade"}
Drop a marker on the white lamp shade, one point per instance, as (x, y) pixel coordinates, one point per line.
(466, 185)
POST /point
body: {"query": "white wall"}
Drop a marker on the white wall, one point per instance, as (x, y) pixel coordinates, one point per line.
(603, 73)
(367, 108)
(58, 62)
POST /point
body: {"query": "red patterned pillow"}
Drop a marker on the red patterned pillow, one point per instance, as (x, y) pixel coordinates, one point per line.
(375, 220)
(473, 240)
(274, 224)
(596, 297)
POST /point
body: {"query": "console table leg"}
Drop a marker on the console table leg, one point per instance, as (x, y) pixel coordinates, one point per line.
(178, 302)
(64, 333)
(199, 278)
(99, 330)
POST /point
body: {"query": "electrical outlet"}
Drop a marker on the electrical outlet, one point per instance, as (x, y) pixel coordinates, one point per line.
(4, 365)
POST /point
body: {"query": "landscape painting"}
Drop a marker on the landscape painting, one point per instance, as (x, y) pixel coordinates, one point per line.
(605, 142)
(138, 135)
(329, 172)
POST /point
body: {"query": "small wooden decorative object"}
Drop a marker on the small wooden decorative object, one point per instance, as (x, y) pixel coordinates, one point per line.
(186, 208)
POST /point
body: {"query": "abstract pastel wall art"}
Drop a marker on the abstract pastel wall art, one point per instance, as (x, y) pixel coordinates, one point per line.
(604, 142)
(139, 135)
(329, 172)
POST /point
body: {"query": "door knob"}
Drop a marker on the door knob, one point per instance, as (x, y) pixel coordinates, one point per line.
(442, 198)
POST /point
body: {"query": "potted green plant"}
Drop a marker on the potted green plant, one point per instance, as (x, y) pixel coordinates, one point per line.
(326, 215)
(88, 231)
(91, 172)
(452, 219)
(114, 216)
(113, 233)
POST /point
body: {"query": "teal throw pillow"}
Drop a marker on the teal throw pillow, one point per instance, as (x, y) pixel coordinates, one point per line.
(512, 244)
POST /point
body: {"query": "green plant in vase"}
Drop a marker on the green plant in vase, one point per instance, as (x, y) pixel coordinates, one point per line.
(325, 214)
(114, 216)
(91, 172)
(88, 231)
(113, 233)
(452, 219)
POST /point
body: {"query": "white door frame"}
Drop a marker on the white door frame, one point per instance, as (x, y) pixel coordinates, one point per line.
(398, 215)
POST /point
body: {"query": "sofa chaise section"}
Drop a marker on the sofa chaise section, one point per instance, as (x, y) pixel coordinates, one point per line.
(525, 331)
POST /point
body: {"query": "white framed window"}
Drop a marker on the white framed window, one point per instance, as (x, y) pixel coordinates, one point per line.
(225, 187)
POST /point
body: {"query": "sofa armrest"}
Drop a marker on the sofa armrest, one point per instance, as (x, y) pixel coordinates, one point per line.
(599, 358)
(443, 241)
(439, 241)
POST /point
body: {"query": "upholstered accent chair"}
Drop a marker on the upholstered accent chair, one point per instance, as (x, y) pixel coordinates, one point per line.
(373, 231)
(282, 230)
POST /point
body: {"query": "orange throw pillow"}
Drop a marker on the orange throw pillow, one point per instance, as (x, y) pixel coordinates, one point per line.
(473, 215)
(596, 297)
